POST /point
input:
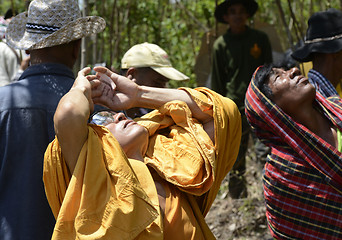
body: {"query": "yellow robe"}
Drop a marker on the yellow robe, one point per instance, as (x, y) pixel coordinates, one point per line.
(111, 197)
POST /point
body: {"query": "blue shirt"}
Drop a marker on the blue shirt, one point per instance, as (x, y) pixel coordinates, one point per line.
(26, 128)
(322, 85)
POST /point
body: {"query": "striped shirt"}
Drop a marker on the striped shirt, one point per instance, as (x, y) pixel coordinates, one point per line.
(322, 85)
(303, 175)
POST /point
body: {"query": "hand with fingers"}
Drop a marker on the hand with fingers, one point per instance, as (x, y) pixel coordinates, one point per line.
(85, 83)
(113, 91)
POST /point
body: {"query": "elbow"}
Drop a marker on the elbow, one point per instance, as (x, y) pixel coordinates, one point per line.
(69, 116)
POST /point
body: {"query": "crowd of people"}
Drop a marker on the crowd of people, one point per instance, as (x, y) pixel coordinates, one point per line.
(107, 155)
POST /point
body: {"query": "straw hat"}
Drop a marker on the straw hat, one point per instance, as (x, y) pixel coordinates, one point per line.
(153, 56)
(324, 35)
(49, 23)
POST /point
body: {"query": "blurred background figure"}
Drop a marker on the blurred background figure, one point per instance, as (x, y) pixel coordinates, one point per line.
(236, 54)
(147, 64)
(12, 61)
(52, 31)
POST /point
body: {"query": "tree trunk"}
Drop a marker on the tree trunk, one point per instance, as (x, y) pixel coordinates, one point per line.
(84, 40)
(282, 16)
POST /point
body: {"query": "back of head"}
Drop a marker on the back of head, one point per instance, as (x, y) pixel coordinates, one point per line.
(151, 55)
(49, 23)
(324, 35)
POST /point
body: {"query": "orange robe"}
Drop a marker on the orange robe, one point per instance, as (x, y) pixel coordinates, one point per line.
(111, 197)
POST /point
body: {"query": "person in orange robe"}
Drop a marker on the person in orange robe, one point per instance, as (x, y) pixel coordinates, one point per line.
(152, 178)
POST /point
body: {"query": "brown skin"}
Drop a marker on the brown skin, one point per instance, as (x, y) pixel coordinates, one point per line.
(66, 54)
(237, 17)
(293, 93)
(329, 65)
(74, 109)
(145, 77)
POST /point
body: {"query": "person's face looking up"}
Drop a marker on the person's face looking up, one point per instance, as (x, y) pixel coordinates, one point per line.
(236, 17)
(127, 132)
(148, 77)
(290, 89)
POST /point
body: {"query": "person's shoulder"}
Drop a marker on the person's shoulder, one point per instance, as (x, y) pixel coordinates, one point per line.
(5, 48)
(10, 93)
(220, 41)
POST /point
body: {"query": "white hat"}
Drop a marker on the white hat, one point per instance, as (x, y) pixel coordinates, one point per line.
(151, 55)
(49, 23)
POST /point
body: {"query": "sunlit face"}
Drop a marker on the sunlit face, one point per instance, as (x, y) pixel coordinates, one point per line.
(290, 89)
(236, 17)
(149, 77)
(127, 132)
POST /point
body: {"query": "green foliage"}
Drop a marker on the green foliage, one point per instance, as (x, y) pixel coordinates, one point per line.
(178, 26)
(19, 6)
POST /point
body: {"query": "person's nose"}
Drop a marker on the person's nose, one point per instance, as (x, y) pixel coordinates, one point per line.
(294, 72)
(119, 117)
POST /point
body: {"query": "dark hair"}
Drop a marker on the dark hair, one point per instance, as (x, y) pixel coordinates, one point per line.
(261, 79)
(10, 13)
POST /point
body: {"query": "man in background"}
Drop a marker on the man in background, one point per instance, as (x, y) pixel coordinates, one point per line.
(12, 61)
(236, 54)
(51, 31)
(323, 46)
(147, 64)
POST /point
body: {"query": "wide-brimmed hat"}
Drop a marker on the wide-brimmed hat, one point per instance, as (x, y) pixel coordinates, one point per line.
(49, 23)
(221, 9)
(324, 35)
(153, 56)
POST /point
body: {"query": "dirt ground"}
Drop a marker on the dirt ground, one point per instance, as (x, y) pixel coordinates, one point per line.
(241, 219)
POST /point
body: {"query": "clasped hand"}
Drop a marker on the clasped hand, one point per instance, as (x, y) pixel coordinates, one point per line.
(108, 89)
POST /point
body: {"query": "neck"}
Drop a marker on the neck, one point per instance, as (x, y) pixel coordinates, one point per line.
(318, 124)
(237, 31)
(325, 65)
(48, 56)
(64, 54)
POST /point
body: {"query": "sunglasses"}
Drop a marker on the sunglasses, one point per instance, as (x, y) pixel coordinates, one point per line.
(102, 117)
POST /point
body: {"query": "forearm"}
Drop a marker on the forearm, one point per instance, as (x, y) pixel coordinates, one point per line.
(153, 98)
(71, 124)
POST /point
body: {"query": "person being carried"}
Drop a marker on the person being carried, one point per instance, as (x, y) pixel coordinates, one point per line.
(151, 179)
(323, 46)
(147, 64)
(303, 174)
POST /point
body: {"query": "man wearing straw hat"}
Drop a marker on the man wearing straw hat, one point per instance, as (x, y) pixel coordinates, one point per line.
(51, 31)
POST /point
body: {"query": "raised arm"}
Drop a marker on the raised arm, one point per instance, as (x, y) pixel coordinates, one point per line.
(71, 117)
(119, 93)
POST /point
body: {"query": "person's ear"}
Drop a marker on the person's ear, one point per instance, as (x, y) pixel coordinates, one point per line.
(131, 71)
